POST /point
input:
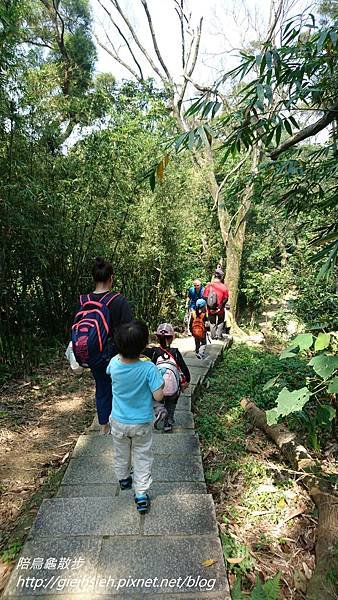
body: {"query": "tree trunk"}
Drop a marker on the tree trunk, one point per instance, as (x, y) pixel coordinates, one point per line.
(236, 238)
(234, 250)
(324, 578)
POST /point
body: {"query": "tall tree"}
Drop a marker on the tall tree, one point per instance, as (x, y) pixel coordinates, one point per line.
(123, 34)
(284, 85)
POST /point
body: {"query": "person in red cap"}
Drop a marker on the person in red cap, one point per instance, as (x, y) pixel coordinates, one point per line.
(216, 295)
(175, 372)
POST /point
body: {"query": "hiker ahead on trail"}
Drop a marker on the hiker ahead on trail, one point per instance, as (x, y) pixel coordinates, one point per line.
(216, 295)
(195, 292)
(198, 329)
(176, 373)
(98, 315)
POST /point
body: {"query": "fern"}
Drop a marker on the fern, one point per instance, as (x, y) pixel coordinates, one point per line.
(236, 593)
(268, 591)
(258, 592)
(272, 587)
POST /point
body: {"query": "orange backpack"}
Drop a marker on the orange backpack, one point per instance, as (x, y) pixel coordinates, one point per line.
(198, 325)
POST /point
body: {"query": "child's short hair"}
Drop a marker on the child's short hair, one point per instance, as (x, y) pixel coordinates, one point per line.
(131, 338)
(165, 334)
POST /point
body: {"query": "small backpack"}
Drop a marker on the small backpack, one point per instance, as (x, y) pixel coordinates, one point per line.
(198, 325)
(171, 376)
(212, 301)
(90, 331)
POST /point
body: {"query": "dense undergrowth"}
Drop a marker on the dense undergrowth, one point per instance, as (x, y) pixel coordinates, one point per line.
(266, 518)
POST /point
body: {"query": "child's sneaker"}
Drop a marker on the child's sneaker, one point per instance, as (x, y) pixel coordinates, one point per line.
(167, 427)
(142, 503)
(160, 417)
(125, 484)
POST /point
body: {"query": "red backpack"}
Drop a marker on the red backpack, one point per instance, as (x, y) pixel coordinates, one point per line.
(91, 330)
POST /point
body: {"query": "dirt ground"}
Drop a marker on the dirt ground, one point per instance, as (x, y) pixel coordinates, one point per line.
(267, 536)
(41, 418)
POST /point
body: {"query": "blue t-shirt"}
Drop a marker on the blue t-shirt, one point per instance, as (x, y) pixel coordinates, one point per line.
(194, 296)
(133, 385)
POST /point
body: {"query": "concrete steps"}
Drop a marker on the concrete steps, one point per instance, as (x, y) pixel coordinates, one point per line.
(90, 543)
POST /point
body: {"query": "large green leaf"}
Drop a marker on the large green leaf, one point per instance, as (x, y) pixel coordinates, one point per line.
(322, 341)
(324, 365)
(272, 416)
(303, 340)
(288, 402)
(332, 387)
(287, 354)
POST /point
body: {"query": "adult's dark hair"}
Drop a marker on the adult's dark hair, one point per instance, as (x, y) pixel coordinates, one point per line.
(102, 270)
(131, 338)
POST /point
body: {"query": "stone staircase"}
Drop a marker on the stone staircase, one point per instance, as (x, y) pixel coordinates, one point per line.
(89, 542)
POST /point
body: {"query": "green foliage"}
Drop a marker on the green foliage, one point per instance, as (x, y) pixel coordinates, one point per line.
(69, 194)
(332, 387)
(324, 383)
(74, 148)
(11, 552)
(270, 590)
(213, 475)
(276, 269)
(322, 341)
(219, 417)
(288, 402)
(324, 365)
(302, 341)
(223, 428)
(277, 86)
(232, 550)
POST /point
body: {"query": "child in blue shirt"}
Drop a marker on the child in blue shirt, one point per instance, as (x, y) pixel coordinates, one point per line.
(135, 384)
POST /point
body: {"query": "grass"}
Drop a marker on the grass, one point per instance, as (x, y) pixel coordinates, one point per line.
(253, 492)
(219, 417)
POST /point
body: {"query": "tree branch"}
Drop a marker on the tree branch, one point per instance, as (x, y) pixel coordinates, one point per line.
(197, 46)
(53, 10)
(141, 78)
(116, 57)
(179, 11)
(274, 23)
(308, 131)
(189, 71)
(140, 46)
(40, 44)
(153, 36)
(209, 90)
